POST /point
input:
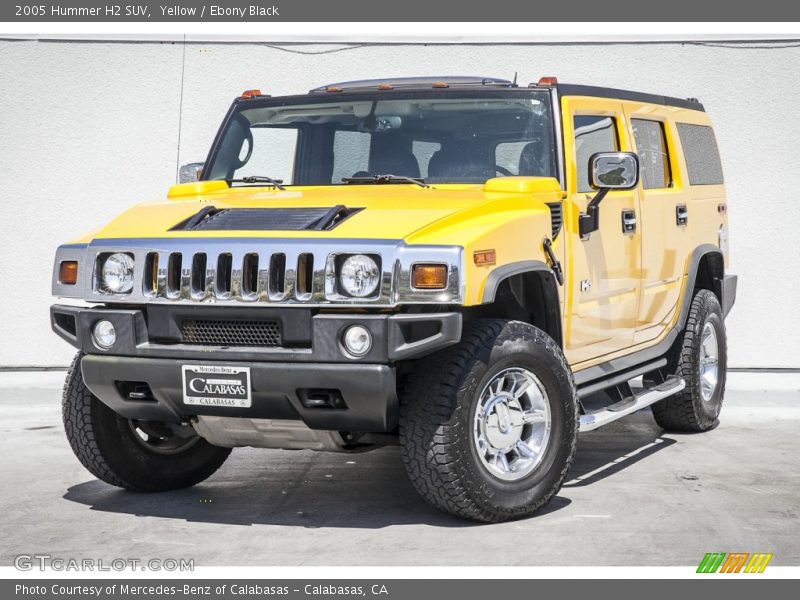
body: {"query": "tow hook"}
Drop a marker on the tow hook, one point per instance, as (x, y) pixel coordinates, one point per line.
(554, 264)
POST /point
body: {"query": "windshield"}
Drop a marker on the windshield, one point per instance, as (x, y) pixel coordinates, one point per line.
(440, 137)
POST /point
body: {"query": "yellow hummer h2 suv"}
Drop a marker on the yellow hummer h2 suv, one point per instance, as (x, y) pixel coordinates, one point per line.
(468, 268)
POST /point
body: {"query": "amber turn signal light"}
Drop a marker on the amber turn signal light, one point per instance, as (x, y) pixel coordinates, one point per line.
(484, 257)
(68, 272)
(429, 277)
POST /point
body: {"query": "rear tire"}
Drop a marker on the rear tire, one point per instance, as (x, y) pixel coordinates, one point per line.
(114, 449)
(700, 357)
(506, 382)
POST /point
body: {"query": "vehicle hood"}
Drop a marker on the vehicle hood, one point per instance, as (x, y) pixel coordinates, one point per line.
(438, 214)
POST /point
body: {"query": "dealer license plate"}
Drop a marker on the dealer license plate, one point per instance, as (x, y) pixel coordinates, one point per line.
(216, 386)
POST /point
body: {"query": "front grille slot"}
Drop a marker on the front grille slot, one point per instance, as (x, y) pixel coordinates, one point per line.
(277, 276)
(198, 280)
(250, 276)
(305, 276)
(215, 332)
(223, 277)
(150, 279)
(174, 275)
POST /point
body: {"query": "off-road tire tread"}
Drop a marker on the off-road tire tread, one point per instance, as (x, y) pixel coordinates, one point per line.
(430, 391)
(76, 411)
(679, 413)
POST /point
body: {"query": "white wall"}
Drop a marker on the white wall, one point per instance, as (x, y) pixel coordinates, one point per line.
(87, 129)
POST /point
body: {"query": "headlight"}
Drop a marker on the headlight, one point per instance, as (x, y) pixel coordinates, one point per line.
(359, 276)
(116, 275)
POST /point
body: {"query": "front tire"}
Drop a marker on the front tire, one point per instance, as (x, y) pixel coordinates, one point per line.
(700, 358)
(136, 455)
(488, 427)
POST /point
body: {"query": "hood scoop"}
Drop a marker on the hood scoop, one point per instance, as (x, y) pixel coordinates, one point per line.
(211, 218)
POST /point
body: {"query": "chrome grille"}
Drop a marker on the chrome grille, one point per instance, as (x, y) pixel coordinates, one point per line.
(213, 332)
(249, 277)
(260, 271)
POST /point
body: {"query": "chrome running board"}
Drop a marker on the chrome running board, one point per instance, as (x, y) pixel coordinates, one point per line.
(604, 416)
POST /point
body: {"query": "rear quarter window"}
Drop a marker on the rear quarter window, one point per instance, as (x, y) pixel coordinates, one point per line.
(701, 153)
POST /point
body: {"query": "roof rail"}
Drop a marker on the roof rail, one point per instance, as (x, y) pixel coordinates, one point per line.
(411, 83)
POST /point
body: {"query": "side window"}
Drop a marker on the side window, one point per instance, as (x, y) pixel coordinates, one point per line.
(592, 135)
(423, 151)
(651, 144)
(272, 154)
(350, 154)
(702, 155)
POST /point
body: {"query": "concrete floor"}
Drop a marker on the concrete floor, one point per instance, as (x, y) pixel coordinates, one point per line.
(635, 496)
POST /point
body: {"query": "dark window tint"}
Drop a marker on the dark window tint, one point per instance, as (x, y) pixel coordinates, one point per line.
(702, 155)
(651, 144)
(592, 135)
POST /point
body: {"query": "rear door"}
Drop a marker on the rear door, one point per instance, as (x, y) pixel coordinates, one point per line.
(663, 218)
(604, 267)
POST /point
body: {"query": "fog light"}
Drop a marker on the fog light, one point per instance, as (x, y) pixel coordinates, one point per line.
(104, 334)
(357, 340)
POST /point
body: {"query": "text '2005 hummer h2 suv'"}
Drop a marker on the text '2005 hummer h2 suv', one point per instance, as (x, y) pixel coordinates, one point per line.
(472, 269)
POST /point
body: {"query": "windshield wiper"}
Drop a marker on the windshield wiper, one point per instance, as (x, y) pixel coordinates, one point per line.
(388, 178)
(259, 179)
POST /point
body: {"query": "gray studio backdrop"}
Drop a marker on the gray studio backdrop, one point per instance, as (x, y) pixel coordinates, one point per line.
(90, 128)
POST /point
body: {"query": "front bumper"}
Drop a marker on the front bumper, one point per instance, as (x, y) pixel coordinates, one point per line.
(278, 390)
(147, 351)
(314, 338)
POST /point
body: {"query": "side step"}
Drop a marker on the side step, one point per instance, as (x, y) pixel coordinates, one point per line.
(606, 415)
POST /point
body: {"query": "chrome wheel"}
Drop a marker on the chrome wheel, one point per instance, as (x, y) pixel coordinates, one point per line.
(511, 425)
(160, 438)
(709, 362)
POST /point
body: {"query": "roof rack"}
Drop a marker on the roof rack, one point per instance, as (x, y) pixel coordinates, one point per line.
(411, 83)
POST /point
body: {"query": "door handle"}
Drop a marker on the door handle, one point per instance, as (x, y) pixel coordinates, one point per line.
(681, 215)
(628, 222)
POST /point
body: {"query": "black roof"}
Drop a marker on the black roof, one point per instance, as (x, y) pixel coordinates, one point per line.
(568, 89)
(414, 82)
(461, 82)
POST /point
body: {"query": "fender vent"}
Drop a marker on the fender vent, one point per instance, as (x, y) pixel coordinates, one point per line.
(266, 219)
(556, 217)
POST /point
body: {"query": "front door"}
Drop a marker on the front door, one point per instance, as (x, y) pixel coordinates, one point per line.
(605, 266)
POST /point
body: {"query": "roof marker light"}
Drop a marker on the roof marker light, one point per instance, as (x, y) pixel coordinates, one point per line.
(548, 81)
(247, 94)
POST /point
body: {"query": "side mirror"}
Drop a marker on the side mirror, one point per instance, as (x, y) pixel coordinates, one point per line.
(614, 170)
(607, 171)
(190, 173)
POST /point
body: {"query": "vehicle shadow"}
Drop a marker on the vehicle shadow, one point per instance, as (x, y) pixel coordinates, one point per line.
(369, 490)
(615, 447)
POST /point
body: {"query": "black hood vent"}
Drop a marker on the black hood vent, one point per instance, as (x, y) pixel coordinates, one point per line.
(266, 219)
